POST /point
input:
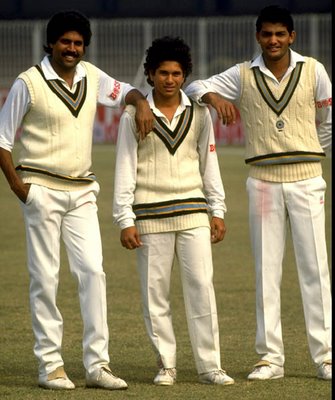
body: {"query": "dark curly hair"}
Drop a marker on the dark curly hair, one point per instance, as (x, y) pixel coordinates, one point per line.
(275, 14)
(66, 21)
(167, 48)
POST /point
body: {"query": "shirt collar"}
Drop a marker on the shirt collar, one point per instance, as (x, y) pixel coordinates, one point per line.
(50, 73)
(294, 58)
(184, 102)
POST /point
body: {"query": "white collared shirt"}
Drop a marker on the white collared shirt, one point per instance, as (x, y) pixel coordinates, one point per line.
(184, 102)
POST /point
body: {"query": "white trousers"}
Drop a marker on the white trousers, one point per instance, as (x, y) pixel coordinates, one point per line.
(50, 215)
(155, 260)
(273, 207)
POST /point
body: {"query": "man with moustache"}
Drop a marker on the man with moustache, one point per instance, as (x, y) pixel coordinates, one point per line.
(55, 102)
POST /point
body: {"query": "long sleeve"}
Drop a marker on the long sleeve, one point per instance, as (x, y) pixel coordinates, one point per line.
(210, 170)
(227, 84)
(323, 98)
(125, 173)
(112, 93)
(12, 113)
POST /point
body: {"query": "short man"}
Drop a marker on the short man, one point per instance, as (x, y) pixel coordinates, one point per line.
(165, 185)
(56, 103)
(285, 105)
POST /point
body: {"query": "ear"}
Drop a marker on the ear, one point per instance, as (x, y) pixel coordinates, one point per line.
(151, 75)
(257, 37)
(292, 37)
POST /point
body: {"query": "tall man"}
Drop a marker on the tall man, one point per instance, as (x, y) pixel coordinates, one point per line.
(55, 102)
(285, 105)
(165, 186)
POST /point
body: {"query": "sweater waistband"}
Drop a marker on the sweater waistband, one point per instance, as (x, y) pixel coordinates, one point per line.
(289, 157)
(170, 208)
(87, 179)
(172, 224)
(286, 172)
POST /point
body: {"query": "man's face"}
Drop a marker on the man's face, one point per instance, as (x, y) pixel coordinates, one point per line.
(168, 79)
(68, 51)
(274, 40)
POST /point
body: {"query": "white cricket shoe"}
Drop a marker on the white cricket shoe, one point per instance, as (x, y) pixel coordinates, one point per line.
(166, 377)
(56, 380)
(217, 377)
(325, 370)
(264, 370)
(103, 378)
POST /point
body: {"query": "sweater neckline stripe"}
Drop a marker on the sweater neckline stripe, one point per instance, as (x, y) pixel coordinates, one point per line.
(73, 101)
(277, 105)
(173, 139)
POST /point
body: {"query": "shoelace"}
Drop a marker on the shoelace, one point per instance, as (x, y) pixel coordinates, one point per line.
(170, 371)
(327, 368)
(217, 373)
(106, 371)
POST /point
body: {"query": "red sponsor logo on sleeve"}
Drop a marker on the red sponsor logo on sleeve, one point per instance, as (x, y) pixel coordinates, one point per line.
(116, 90)
(324, 103)
(212, 147)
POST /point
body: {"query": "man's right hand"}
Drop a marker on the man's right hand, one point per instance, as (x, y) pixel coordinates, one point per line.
(225, 109)
(15, 182)
(130, 238)
(23, 192)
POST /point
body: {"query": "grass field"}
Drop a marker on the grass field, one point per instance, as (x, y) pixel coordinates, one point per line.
(131, 355)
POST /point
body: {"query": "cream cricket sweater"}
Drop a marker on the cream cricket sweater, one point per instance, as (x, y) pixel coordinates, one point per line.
(57, 131)
(281, 137)
(169, 189)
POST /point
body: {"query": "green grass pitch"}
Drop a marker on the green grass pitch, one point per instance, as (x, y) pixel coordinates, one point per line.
(131, 355)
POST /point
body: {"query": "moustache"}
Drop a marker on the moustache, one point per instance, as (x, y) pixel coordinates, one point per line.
(70, 53)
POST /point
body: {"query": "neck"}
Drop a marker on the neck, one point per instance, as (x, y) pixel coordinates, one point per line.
(162, 101)
(167, 106)
(278, 67)
(65, 73)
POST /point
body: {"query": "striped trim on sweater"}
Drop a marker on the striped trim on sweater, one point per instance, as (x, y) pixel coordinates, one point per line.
(171, 208)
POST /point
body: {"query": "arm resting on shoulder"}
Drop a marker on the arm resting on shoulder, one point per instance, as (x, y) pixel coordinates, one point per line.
(144, 117)
(224, 108)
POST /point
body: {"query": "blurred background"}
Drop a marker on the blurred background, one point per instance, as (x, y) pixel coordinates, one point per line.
(219, 32)
(153, 8)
